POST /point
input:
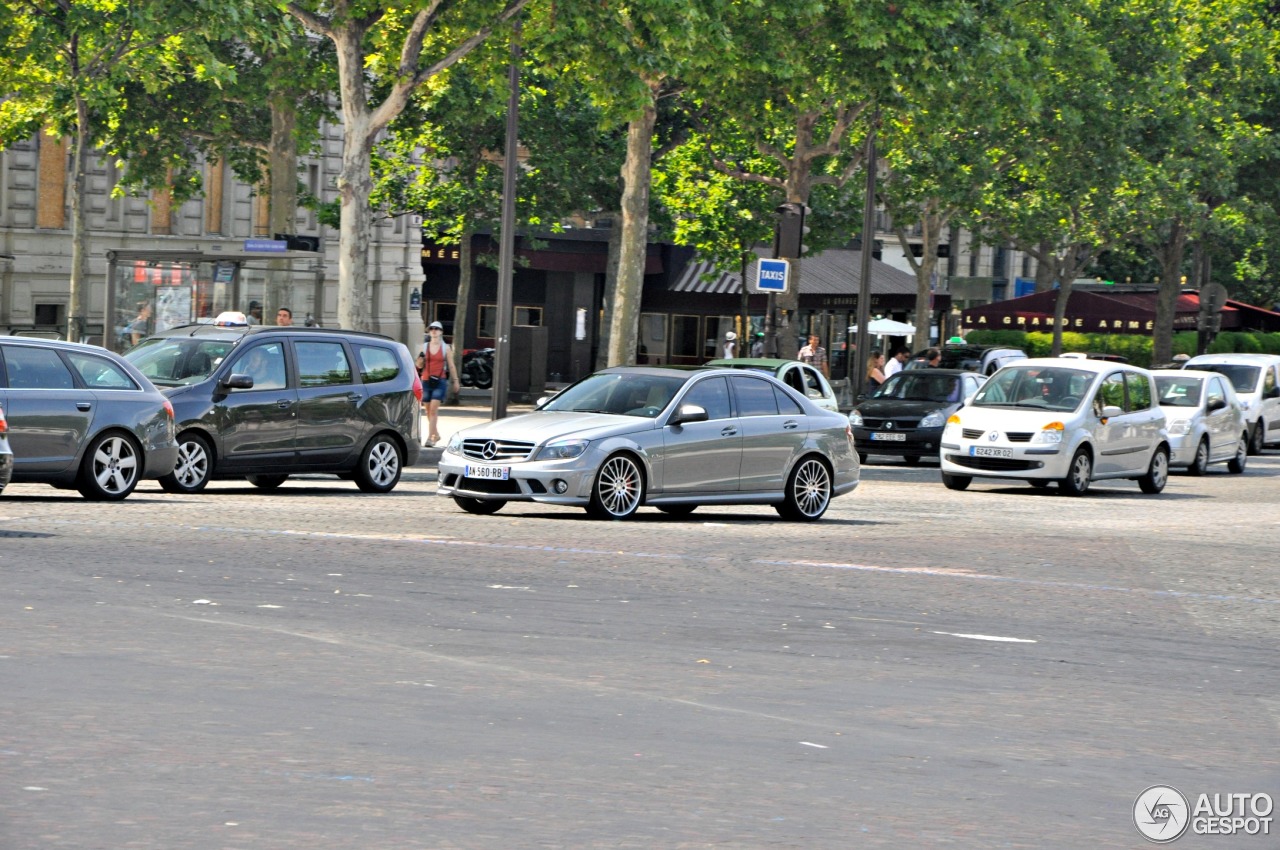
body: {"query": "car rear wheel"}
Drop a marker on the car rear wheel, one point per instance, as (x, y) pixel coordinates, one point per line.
(195, 462)
(483, 507)
(380, 465)
(1039, 483)
(1157, 474)
(678, 510)
(1256, 438)
(110, 469)
(956, 482)
(618, 489)
(1200, 464)
(808, 491)
(267, 482)
(1079, 474)
(1237, 463)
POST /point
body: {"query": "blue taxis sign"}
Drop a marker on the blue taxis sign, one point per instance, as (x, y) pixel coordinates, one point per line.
(772, 275)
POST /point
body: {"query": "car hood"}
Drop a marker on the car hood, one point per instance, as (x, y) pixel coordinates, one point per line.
(1171, 413)
(1013, 419)
(542, 426)
(883, 407)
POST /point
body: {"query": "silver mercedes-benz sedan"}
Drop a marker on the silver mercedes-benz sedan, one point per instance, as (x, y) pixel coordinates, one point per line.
(670, 438)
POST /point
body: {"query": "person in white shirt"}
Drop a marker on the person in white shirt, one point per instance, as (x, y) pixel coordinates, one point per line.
(898, 362)
(730, 345)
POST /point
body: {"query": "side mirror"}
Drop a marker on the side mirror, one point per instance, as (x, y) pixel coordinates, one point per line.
(1109, 410)
(542, 402)
(689, 413)
(1216, 404)
(237, 382)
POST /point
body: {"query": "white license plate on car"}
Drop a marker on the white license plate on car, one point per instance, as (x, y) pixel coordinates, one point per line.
(500, 473)
(892, 438)
(987, 451)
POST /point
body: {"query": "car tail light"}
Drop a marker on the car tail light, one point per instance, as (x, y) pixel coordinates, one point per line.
(168, 408)
(417, 387)
(4, 424)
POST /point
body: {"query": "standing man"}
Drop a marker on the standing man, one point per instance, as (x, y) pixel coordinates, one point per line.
(815, 355)
(284, 317)
(255, 313)
(898, 361)
(757, 347)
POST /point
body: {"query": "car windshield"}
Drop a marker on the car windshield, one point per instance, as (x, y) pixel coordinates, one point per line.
(1042, 387)
(1177, 391)
(175, 362)
(920, 385)
(622, 393)
(1243, 378)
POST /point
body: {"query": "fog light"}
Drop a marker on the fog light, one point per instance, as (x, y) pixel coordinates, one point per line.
(560, 485)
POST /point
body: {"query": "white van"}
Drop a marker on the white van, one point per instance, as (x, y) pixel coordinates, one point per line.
(1256, 379)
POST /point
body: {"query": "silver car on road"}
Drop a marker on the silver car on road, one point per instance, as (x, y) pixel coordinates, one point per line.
(1206, 421)
(669, 438)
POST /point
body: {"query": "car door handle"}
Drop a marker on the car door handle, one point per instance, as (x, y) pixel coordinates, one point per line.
(791, 425)
(83, 405)
(354, 396)
(284, 403)
(729, 431)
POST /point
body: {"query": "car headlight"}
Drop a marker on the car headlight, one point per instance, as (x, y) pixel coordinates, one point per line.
(455, 444)
(934, 419)
(1179, 427)
(563, 450)
(1051, 433)
(855, 419)
(953, 427)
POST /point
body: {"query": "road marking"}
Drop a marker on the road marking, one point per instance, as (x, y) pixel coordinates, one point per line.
(819, 746)
(986, 637)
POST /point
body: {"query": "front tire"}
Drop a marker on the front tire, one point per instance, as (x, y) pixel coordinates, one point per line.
(482, 507)
(956, 482)
(111, 468)
(267, 482)
(1039, 483)
(677, 510)
(1237, 464)
(380, 465)
(1256, 438)
(808, 492)
(1200, 464)
(1079, 475)
(618, 489)
(194, 468)
(1157, 474)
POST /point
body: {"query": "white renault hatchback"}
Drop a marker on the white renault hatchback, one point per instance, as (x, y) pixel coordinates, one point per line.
(1050, 420)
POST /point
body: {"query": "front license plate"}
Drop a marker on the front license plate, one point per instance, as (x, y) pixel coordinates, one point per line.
(893, 438)
(501, 473)
(985, 451)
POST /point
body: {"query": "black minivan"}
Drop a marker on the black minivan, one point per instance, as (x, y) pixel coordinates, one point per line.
(264, 403)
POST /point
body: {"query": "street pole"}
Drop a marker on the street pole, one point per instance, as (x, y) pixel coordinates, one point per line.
(506, 248)
(862, 349)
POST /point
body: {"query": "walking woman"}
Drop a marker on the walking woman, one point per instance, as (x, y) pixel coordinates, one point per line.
(436, 378)
(875, 372)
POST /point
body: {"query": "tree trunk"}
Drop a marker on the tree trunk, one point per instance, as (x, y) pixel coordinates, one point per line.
(1046, 270)
(355, 184)
(610, 288)
(79, 229)
(932, 224)
(636, 171)
(1169, 255)
(462, 307)
(283, 163)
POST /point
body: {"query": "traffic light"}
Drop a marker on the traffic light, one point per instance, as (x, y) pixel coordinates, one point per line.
(789, 238)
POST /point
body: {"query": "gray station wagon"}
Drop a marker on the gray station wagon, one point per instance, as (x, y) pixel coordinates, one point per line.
(264, 403)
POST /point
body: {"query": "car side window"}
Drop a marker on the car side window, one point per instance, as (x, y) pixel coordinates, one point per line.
(265, 364)
(787, 405)
(1139, 391)
(30, 368)
(1216, 391)
(1269, 387)
(99, 373)
(711, 394)
(755, 397)
(377, 364)
(322, 364)
(812, 386)
(1111, 392)
(795, 378)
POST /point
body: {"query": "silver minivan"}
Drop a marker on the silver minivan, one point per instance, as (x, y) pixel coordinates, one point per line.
(1256, 380)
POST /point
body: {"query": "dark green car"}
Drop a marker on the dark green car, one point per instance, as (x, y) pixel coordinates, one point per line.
(264, 403)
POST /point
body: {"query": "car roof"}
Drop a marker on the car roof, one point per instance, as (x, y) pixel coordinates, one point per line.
(757, 362)
(1073, 363)
(209, 331)
(937, 370)
(1179, 373)
(1251, 358)
(45, 342)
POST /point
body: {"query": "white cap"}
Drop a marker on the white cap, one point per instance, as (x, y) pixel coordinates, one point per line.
(731, 335)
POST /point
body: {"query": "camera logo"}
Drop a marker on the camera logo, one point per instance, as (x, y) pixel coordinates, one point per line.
(1161, 814)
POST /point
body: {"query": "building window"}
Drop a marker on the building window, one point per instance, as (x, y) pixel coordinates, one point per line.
(684, 337)
(444, 312)
(653, 339)
(49, 314)
(489, 319)
(713, 341)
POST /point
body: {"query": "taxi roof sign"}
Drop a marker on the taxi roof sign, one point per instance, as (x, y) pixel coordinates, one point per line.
(231, 319)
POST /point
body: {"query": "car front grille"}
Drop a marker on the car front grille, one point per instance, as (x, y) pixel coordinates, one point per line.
(972, 433)
(898, 424)
(995, 464)
(1011, 436)
(496, 450)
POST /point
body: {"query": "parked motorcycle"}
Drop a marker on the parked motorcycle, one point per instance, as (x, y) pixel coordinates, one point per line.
(477, 368)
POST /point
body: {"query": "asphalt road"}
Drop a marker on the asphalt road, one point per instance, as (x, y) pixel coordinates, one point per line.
(316, 668)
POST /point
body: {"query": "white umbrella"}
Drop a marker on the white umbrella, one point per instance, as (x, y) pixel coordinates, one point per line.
(886, 327)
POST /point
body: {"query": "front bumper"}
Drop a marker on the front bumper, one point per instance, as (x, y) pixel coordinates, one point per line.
(1014, 460)
(917, 442)
(561, 482)
(1182, 450)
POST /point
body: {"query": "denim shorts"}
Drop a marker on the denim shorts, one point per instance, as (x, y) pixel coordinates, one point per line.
(438, 393)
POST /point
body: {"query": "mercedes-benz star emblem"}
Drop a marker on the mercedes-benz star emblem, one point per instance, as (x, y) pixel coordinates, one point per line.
(490, 450)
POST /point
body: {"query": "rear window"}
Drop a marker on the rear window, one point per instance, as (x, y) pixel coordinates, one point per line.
(1244, 379)
(377, 364)
(99, 373)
